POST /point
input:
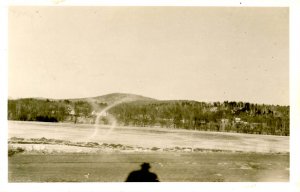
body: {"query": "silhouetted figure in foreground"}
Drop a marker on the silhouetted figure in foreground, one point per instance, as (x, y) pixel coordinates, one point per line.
(142, 175)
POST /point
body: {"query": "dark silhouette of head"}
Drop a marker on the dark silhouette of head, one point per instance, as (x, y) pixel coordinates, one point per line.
(142, 175)
(145, 166)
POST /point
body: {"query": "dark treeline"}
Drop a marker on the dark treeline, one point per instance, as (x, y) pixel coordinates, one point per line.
(227, 116)
(48, 110)
(37, 110)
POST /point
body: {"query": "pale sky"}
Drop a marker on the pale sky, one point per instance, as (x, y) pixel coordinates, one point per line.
(197, 53)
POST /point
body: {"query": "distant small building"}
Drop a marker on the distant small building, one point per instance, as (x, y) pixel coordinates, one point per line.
(104, 114)
(72, 112)
(202, 122)
(213, 109)
(224, 123)
(237, 119)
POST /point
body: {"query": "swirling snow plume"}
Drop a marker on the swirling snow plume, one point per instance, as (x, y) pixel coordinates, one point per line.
(104, 114)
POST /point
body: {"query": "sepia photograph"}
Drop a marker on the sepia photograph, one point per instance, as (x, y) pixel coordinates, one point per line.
(148, 94)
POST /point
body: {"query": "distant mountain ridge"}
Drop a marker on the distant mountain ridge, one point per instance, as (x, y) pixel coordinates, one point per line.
(112, 98)
(109, 99)
(115, 97)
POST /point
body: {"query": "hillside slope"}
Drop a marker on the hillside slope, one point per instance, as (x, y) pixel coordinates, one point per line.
(115, 97)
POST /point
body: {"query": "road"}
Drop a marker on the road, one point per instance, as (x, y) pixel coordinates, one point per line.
(170, 167)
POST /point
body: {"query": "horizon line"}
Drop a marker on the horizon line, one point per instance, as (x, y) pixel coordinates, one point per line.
(16, 98)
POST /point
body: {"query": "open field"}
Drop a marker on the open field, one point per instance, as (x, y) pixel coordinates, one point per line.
(68, 153)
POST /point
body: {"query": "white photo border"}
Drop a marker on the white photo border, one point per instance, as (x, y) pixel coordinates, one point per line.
(292, 185)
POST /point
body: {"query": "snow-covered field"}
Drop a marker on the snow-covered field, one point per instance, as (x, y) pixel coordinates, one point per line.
(62, 152)
(149, 137)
